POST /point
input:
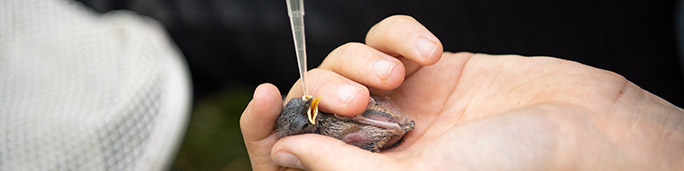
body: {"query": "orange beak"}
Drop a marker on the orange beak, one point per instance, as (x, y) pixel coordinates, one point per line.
(313, 110)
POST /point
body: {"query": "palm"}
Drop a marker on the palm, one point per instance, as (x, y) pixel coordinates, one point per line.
(470, 94)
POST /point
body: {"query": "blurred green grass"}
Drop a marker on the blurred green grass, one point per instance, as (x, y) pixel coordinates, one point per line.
(213, 140)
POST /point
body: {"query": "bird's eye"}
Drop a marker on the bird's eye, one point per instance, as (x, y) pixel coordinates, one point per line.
(305, 126)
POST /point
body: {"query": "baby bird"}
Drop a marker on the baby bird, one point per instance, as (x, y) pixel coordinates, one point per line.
(380, 126)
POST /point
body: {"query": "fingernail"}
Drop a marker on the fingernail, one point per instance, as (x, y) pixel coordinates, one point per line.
(346, 92)
(383, 68)
(426, 47)
(288, 160)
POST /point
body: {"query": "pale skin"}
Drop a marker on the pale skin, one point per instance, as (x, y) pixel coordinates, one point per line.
(472, 111)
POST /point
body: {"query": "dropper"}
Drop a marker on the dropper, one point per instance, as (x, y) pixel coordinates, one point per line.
(295, 9)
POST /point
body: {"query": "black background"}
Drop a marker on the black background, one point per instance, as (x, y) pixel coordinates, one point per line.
(249, 41)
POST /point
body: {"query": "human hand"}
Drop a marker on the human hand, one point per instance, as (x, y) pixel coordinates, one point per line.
(472, 111)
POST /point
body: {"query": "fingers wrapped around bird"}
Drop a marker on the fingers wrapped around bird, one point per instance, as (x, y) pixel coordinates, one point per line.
(380, 126)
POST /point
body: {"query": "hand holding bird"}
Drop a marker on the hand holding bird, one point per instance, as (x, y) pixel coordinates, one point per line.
(471, 111)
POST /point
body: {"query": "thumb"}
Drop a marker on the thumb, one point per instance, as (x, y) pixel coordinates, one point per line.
(317, 152)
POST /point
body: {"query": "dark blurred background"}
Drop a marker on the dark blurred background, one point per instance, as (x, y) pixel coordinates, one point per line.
(233, 45)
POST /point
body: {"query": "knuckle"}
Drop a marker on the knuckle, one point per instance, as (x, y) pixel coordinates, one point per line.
(393, 23)
(348, 49)
(338, 57)
(399, 19)
(392, 28)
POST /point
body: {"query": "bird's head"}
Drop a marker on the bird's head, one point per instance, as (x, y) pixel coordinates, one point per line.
(298, 116)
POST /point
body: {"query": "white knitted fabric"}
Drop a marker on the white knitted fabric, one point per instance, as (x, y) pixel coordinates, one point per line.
(84, 91)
